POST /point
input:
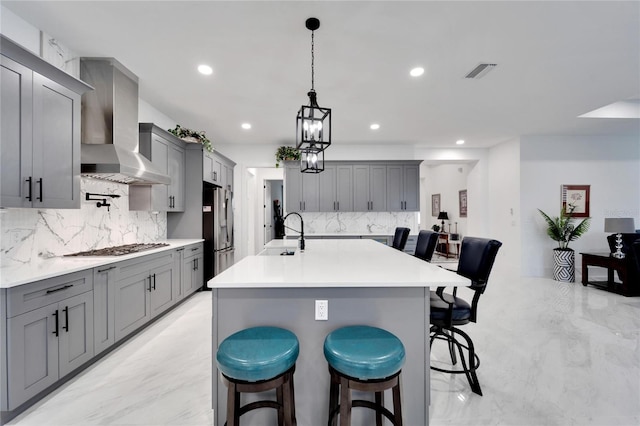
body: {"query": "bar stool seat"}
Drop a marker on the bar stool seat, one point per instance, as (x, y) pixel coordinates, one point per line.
(367, 359)
(258, 359)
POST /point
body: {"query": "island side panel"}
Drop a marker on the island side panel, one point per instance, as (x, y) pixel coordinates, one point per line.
(399, 310)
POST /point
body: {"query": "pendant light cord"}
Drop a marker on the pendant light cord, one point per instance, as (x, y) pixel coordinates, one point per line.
(312, 62)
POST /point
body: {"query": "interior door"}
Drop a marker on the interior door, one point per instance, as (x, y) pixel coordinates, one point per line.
(268, 212)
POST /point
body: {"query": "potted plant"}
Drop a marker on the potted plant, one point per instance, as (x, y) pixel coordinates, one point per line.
(563, 230)
(285, 153)
(193, 136)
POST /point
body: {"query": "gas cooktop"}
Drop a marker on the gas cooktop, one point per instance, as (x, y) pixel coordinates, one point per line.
(119, 250)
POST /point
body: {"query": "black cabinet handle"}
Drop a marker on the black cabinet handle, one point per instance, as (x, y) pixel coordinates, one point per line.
(55, 314)
(60, 288)
(154, 281)
(149, 284)
(194, 265)
(338, 205)
(30, 196)
(180, 249)
(194, 248)
(40, 182)
(106, 269)
(66, 319)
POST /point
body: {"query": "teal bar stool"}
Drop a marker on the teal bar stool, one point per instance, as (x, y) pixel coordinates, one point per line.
(367, 359)
(259, 359)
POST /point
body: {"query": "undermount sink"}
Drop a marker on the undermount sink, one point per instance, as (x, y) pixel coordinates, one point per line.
(278, 251)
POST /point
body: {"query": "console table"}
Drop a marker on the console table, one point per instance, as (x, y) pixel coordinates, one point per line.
(606, 260)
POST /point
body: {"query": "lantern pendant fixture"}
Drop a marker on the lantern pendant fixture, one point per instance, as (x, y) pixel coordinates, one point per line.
(313, 123)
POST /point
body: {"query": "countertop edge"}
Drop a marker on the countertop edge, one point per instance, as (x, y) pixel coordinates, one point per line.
(58, 266)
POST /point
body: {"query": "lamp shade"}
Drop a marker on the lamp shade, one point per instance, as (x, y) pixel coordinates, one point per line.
(619, 225)
(443, 216)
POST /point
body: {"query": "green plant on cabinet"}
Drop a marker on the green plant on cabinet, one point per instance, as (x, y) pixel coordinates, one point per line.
(192, 136)
(286, 153)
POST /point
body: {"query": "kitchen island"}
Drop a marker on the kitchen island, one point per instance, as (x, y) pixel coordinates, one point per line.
(364, 282)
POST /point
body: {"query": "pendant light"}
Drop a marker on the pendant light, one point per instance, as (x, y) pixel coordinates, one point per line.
(313, 123)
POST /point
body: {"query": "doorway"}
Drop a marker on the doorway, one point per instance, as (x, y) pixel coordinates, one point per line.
(272, 205)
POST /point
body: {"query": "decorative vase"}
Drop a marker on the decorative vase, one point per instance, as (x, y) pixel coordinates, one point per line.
(564, 265)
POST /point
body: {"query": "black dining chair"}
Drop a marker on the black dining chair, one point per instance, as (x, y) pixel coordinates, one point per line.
(426, 245)
(400, 238)
(448, 311)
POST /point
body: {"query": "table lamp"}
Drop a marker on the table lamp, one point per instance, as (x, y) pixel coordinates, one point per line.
(619, 225)
(444, 216)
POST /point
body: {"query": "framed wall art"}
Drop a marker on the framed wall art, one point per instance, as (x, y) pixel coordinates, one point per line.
(435, 204)
(577, 196)
(462, 199)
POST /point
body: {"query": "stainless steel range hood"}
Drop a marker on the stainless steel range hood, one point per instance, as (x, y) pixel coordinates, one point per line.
(109, 147)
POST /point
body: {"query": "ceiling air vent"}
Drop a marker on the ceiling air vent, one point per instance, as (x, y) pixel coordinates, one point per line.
(480, 71)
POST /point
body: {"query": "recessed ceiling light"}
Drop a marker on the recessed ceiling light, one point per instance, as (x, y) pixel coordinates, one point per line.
(205, 69)
(374, 126)
(246, 126)
(416, 72)
(459, 142)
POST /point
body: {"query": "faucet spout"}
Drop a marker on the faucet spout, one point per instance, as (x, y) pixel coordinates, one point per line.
(301, 228)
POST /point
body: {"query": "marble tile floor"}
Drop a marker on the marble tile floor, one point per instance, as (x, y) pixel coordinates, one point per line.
(551, 354)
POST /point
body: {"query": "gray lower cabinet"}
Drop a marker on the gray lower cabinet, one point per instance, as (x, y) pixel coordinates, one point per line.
(143, 290)
(193, 268)
(104, 287)
(45, 343)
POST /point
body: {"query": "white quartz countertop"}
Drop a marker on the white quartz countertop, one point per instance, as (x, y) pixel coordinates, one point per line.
(12, 276)
(335, 263)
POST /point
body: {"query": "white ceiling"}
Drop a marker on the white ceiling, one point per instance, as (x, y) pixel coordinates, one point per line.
(556, 61)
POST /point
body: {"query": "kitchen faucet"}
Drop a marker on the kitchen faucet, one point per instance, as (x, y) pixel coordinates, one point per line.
(301, 228)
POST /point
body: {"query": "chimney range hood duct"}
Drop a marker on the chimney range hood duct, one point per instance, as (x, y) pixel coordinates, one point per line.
(110, 126)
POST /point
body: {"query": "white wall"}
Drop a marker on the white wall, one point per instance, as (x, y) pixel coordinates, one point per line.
(611, 166)
(447, 180)
(504, 205)
(19, 30)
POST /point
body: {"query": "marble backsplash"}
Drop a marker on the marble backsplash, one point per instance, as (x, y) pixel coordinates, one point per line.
(362, 223)
(29, 235)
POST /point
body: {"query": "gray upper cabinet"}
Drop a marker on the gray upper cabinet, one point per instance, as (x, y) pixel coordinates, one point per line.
(302, 190)
(40, 120)
(217, 169)
(167, 153)
(403, 183)
(370, 187)
(336, 188)
(375, 186)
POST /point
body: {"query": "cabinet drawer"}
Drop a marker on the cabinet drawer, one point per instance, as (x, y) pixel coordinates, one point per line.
(193, 250)
(135, 266)
(35, 295)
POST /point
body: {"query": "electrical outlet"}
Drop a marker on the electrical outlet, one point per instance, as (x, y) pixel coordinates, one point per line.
(322, 310)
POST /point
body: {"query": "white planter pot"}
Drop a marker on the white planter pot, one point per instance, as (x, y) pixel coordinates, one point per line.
(564, 265)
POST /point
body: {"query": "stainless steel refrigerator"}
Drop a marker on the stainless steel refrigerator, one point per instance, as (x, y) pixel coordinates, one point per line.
(217, 217)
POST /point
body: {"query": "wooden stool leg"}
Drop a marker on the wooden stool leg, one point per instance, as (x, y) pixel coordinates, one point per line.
(294, 420)
(233, 405)
(281, 399)
(289, 402)
(397, 404)
(334, 389)
(345, 402)
(379, 403)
